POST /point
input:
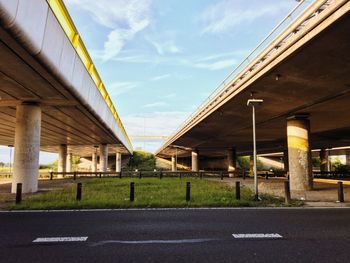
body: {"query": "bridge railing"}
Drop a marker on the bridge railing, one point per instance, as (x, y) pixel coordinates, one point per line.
(251, 64)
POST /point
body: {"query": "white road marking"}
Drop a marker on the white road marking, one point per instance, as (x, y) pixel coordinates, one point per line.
(257, 235)
(136, 242)
(59, 239)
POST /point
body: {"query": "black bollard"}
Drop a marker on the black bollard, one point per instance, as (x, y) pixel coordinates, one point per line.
(161, 175)
(238, 190)
(79, 186)
(51, 175)
(267, 176)
(340, 192)
(286, 192)
(140, 175)
(19, 193)
(188, 191)
(120, 175)
(100, 175)
(222, 175)
(132, 191)
(74, 176)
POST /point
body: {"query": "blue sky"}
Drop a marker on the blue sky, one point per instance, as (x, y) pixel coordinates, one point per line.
(159, 59)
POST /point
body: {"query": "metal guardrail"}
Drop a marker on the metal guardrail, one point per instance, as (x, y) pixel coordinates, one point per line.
(63, 17)
(141, 174)
(247, 67)
(331, 175)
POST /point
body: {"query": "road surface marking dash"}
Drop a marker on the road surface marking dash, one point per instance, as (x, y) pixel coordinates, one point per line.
(257, 235)
(138, 242)
(59, 239)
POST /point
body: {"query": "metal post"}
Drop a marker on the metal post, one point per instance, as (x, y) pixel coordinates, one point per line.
(188, 191)
(254, 158)
(340, 192)
(120, 175)
(286, 192)
(51, 175)
(222, 175)
(74, 176)
(19, 193)
(140, 175)
(238, 190)
(132, 191)
(79, 186)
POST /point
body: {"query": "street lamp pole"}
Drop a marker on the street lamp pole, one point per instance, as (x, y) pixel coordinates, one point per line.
(253, 103)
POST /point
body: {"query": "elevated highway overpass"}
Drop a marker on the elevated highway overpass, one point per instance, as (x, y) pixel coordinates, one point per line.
(51, 95)
(303, 77)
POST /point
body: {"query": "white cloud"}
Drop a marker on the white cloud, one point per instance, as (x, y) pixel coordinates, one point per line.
(118, 88)
(226, 15)
(153, 124)
(169, 96)
(164, 46)
(155, 104)
(125, 18)
(217, 65)
(160, 77)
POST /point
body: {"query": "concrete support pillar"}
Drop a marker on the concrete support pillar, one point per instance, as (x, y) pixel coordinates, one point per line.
(103, 157)
(324, 160)
(69, 162)
(173, 164)
(94, 162)
(62, 160)
(27, 147)
(231, 161)
(347, 158)
(118, 162)
(286, 162)
(194, 157)
(299, 153)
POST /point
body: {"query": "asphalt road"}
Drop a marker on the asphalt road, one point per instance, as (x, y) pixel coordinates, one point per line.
(205, 235)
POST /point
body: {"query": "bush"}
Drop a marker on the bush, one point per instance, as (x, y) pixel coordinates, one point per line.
(142, 161)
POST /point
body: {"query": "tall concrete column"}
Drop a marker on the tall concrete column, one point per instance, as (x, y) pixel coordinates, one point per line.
(299, 153)
(69, 162)
(27, 147)
(62, 160)
(231, 161)
(94, 162)
(324, 160)
(347, 158)
(194, 158)
(103, 157)
(173, 164)
(286, 162)
(118, 162)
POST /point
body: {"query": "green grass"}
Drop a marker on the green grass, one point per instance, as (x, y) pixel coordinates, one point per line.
(149, 192)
